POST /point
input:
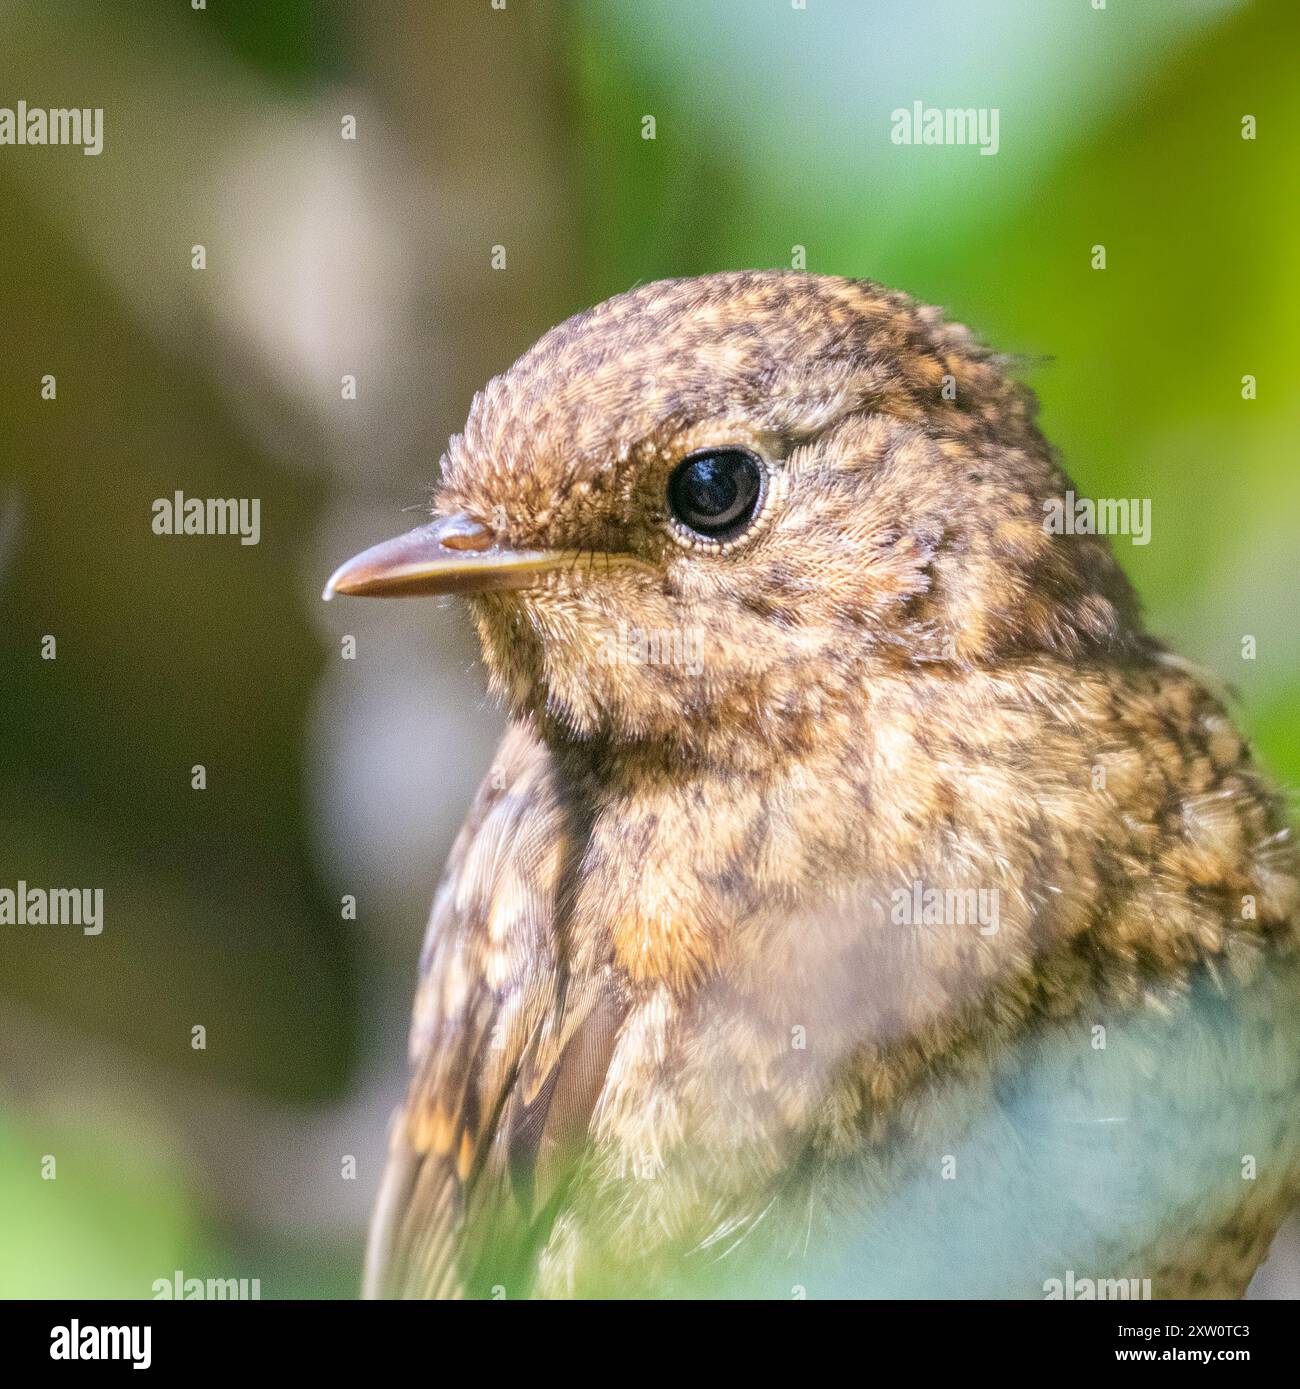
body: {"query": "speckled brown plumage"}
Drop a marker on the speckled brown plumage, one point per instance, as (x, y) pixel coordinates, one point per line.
(669, 1036)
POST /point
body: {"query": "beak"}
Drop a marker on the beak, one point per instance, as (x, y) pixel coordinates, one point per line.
(454, 554)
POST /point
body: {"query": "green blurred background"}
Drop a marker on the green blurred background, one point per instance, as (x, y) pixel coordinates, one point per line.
(480, 128)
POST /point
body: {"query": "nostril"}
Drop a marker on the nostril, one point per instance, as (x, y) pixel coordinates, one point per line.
(462, 532)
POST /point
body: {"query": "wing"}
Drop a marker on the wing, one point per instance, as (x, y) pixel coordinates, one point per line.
(512, 1034)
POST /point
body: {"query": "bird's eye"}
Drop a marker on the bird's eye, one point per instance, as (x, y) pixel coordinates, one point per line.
(716, 492)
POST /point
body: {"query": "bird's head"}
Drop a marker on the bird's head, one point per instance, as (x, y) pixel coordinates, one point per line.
(725, 502)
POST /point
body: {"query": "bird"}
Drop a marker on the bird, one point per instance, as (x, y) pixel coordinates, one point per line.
(861, 902)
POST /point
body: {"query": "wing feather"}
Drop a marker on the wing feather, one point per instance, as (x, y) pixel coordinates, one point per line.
(510, 1045)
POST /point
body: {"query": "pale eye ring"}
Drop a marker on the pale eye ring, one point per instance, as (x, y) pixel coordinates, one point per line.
(715, 492)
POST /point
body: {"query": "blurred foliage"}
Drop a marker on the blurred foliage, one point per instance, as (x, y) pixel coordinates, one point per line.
(159, 669)
(111, 1218)
(1119, 127)
(293, 42)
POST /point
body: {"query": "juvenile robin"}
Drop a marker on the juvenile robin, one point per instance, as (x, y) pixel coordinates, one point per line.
(861, 901)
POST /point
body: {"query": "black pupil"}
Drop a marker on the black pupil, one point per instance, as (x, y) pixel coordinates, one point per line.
(715, 493)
